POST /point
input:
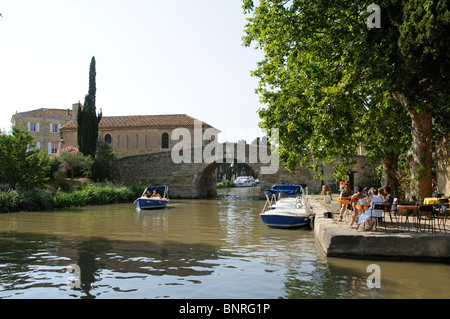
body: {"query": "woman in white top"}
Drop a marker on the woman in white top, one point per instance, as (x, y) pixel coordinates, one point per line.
(371, 212)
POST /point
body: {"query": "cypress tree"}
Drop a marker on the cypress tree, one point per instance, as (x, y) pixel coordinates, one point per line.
(88, 120)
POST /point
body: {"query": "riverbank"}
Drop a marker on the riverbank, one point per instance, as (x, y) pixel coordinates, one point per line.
(336, 239)
(84, 194)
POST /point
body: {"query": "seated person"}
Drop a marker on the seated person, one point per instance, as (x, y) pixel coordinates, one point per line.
(354, 200)
(371, 212)
(388, 198)
(346, 195)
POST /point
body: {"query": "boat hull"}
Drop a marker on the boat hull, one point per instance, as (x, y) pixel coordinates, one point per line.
(151, 203)
(284, 221)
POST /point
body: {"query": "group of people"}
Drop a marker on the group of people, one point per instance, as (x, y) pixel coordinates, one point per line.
(154, 194)
(368, 197)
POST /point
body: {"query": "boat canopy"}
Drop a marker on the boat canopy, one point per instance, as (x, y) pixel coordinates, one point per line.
(288, 189)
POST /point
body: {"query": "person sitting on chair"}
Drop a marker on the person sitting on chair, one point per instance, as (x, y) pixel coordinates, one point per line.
(371, 212)
(345, 195)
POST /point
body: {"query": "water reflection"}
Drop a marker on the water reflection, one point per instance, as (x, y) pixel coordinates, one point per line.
(194, 249)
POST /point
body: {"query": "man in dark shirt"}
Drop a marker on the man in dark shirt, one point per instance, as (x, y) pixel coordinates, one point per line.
(388, 198)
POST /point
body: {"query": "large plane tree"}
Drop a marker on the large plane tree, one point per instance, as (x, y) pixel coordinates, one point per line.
(331, 80)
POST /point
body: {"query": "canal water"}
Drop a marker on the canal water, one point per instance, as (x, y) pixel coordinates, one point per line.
(194, 249)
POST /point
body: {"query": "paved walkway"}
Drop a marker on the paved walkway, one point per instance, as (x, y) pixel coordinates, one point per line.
(337, 239)
(397, 225)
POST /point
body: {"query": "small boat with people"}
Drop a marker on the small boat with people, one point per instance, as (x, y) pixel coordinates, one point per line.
(153, 197)
(287, 206)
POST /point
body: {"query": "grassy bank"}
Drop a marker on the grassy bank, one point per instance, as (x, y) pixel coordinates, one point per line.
(86, 194)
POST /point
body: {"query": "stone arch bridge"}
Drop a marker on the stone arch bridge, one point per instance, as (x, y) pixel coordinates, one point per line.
(192, 172)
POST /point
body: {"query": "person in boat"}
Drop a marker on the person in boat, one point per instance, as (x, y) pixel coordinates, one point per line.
(155, 194)
(346, 194)
(148, 194)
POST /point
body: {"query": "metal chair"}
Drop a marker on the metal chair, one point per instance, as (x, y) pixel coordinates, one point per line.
(442, 212)
(392, 210)
(408, 213)
(427, 214)
(381, 207)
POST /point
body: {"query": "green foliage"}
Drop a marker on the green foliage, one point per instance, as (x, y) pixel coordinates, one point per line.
(73, 162)
(20, 162)
(224, 184)
(104, 166)
(87, 194)
(87, 119)
(60, 180)
(329, 83)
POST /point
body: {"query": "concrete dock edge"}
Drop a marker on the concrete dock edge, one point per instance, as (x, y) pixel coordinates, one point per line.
(338, 241)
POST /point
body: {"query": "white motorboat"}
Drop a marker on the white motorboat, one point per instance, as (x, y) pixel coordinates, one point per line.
(153, 197)
(244, 181)
(287, 212)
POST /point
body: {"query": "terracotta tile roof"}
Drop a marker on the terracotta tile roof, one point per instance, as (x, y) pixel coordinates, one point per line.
(171, 120)
(48, 112)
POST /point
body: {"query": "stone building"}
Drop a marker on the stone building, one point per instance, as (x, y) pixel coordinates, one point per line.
(142, 134)
(44, 125)
(54, 129)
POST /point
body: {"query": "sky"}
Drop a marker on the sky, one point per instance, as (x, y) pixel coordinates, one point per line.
(152, 57)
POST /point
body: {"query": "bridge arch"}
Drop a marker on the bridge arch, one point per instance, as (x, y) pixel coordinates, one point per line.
(206, 182)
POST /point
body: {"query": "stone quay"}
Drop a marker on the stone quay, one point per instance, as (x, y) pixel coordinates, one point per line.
(337, 239)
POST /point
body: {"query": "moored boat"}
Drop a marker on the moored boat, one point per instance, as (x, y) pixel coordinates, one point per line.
(290, 211)
(244, 181)
(153, 197)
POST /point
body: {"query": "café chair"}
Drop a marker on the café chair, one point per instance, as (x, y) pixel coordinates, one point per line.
(393, 212)
(442, 212)
(426, 213)
(404, 216)
(381, 207)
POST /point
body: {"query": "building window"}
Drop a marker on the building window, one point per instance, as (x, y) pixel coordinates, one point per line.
(53, 128)
(108, 138)
(165, 140)
(33, 126)
(52, 148)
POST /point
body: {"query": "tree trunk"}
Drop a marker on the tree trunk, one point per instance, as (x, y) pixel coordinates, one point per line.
(420, 154)
(389, 177)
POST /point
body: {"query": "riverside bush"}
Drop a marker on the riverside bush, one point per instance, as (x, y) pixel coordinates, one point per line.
(224, 184)
(87, 194)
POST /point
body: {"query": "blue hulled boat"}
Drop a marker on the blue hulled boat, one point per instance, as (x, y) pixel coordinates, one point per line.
(287, 206)
(153, 197)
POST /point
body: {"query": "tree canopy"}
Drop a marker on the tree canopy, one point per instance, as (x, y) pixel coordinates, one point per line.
(330, 81)
(21, 163)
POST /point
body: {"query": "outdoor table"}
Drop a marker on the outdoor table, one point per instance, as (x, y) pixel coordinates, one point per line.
(430, 200)
(345, 202)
